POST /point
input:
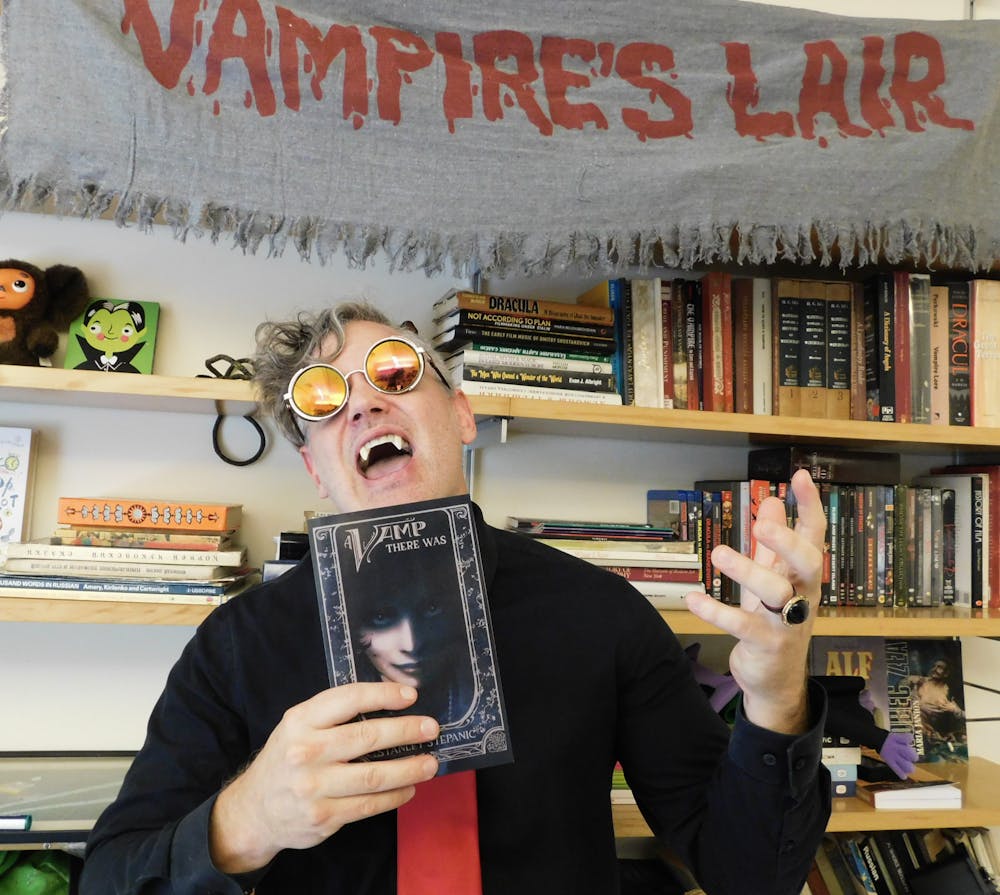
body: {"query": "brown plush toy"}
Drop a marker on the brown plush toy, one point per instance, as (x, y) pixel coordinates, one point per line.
(34, 305)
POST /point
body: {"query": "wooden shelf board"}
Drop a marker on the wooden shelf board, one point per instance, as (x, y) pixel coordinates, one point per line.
(980, 781)
(942, 621)
(570, 418)
(113, 612)
(125, 391)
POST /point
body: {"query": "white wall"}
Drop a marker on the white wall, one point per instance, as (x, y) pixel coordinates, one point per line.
(91, 686)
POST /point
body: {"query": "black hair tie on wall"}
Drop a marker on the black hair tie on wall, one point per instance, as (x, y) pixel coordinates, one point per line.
(237, 368)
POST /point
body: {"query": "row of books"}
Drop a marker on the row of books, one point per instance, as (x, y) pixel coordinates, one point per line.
(132, 550)
(495, 345)
(659, 561)
(897, 347)
(955, 861)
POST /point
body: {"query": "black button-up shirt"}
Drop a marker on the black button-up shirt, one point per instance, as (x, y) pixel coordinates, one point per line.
(591, 675)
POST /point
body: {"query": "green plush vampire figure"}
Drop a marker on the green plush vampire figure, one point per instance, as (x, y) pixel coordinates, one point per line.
(35, 305)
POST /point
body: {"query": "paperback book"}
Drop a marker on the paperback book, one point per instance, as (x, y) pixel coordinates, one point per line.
(415, 566)
(17, 447)
(922, 789)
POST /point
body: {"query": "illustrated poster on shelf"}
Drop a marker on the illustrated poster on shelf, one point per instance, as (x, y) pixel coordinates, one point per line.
(927, 696)
(114, 337)
(16, 471)
(402, 598)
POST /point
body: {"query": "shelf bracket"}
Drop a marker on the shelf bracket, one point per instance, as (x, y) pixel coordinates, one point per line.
(490, 431)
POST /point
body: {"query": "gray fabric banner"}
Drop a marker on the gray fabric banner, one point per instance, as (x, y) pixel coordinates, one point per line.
(510, 137)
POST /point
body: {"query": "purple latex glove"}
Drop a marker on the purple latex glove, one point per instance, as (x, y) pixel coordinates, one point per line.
(897, 751)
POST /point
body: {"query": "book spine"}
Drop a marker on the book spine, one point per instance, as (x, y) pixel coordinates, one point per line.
(948, 555)
(546, 393)
(647, 351)
(920, 348)
(666, 318)
(119, 585)
(541, 325)
(140, 513)
(838, 351)
(142, 540)
(889, 496)
(652, 574)
(742, 293)
(812, 349)
(985, 385)
(901, 364)
(692, 317)
(523, 354)
(533, 376)
(763, 347)
(787, 350)
(522, 307)
(938, 308)
(852, 852)
(548, 341)
(126, 554)
(859, 403)
(887, 348)
(481, 358)
(627, 384)
(872, 354)
(678, 335)
(959, 354)
(875, 865)
(74, 567)
(979, 496)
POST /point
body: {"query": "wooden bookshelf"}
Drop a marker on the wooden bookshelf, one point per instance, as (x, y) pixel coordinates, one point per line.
(941, 621)
(125, 391)
(738, 429)
(102, 612)
(979, 779)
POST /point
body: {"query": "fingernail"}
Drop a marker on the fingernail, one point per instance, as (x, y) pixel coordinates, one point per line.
(408, 692)
(429, 727)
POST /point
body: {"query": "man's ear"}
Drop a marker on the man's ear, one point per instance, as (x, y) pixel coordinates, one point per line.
(466, 418)
(306, 456)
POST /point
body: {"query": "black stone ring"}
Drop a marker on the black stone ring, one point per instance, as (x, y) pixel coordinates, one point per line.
(794, 612)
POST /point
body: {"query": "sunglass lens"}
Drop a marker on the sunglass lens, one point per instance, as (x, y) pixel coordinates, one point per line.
(393, 366)
(319, 391)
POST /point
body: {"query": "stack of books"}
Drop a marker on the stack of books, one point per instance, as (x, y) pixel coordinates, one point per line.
(654, 560)
(133, 550)
(526, 347)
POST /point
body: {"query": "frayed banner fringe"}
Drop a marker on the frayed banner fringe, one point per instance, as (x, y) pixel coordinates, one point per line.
(613, 252)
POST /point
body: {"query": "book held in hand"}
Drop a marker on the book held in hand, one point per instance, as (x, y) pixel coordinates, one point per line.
(402, 598)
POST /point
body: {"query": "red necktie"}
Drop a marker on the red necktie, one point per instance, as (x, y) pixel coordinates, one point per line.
(437, 851)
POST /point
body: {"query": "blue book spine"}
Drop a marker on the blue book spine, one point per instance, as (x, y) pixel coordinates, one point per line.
(117, 585)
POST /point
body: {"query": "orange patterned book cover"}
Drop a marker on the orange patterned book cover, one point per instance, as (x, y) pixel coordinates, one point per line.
(137, 512)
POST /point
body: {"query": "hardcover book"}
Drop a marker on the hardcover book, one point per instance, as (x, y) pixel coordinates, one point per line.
(402, 598)
(113, 337)
(137, 512)
(460, 300)
(985, 385)
(17, 447)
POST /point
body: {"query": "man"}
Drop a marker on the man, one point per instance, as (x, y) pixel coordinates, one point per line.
(247, 776)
